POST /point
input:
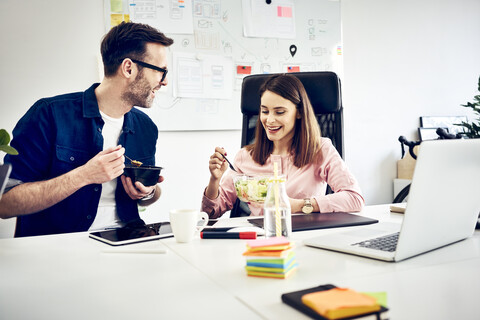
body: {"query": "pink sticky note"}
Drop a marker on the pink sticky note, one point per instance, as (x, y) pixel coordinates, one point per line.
(284, 12)
(275, 241)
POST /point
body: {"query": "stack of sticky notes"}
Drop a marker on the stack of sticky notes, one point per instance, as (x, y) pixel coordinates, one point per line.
(338, 303)
(271, 257)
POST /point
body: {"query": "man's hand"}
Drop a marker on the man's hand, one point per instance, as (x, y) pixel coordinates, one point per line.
(137, 191)
(105, 166)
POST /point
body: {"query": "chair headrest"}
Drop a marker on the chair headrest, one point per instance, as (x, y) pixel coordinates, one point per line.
(323, 89)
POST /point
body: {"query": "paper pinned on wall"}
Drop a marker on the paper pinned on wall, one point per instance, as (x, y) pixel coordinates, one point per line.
(293, 69)
(207, 9)
(243, 69)
(116, 6)
(205, 76)
(274, 20)
(117, 18)
(169, 16)
(300, 67)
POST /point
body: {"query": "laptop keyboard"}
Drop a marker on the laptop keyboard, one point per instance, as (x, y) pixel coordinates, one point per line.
(385, 243)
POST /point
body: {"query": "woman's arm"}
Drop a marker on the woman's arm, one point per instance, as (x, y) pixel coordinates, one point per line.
(329, 169)
(218, 198)
(347, 195)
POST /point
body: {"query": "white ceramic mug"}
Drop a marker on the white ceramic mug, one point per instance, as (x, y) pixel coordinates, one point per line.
(184, 223)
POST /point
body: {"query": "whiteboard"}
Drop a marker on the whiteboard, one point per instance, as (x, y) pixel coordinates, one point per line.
(216, 28)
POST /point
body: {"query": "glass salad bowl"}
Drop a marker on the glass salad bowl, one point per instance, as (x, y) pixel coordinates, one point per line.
(251, 189)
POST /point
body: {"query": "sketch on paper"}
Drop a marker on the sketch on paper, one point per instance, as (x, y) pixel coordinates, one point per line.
(205, 76)
(207, 9)
(262, 20)
(169, 16)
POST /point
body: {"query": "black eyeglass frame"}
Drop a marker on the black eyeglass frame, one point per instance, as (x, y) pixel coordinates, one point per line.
(151, 66)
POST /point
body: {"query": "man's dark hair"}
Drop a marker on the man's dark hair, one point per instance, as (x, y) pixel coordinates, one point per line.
(128, 40)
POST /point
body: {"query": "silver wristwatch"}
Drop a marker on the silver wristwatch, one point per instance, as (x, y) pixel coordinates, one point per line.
(149, 196)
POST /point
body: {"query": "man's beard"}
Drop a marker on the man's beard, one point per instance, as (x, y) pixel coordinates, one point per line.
(139, 93)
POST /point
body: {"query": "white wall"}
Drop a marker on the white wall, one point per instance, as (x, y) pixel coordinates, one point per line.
(402, 60)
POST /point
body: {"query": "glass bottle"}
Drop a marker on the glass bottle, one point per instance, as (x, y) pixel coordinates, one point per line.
(277, 199)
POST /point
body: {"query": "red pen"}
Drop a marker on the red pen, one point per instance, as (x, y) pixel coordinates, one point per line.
(228, 235)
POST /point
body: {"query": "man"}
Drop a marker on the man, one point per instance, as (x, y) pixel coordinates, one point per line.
(71, 147)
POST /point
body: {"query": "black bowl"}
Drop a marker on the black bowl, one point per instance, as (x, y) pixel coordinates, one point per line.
(147, 175)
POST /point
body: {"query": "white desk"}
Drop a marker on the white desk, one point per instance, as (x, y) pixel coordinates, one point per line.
(68, 276)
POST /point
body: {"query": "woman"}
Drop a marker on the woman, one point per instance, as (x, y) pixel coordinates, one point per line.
(287, 133)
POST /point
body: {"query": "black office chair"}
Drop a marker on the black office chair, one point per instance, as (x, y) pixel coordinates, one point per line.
(324, 91)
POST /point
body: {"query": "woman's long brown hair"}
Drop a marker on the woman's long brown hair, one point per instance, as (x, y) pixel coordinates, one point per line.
(306, 139)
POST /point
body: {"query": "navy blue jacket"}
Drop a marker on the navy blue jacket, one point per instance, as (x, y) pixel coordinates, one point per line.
(64, 132)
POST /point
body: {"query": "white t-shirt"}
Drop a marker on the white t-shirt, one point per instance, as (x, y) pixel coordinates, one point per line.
(107, 216)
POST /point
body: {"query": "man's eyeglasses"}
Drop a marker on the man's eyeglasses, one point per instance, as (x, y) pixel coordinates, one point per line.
(151, 66)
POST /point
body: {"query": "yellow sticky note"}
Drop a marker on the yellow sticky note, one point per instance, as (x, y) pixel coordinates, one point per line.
(340, 303)
(126, 17)
(116, 19)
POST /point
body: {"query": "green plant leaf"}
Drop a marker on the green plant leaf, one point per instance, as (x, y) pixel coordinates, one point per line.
(473, 130)
(8, 150)
(4, 137)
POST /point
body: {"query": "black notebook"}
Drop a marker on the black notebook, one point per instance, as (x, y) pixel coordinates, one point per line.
(314, 221)
(294, 299)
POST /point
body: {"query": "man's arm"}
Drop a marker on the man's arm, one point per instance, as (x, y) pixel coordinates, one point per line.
(36, 196)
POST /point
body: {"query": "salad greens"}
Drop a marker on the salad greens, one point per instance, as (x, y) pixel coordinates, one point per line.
(251, 189)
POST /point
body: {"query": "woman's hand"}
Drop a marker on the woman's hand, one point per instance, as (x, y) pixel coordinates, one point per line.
(217, 164)
(296, 205)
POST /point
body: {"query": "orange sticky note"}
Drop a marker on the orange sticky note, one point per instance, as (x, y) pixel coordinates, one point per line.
(244, 70)
(293, 69)
(340, 303)
(268, 253)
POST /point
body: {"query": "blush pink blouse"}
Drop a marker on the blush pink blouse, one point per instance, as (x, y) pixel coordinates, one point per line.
(309, 181)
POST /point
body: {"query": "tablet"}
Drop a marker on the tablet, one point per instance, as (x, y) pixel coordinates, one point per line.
(134, 234)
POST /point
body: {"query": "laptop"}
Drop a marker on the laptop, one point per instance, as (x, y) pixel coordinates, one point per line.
(442, 208)
(5, 170)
